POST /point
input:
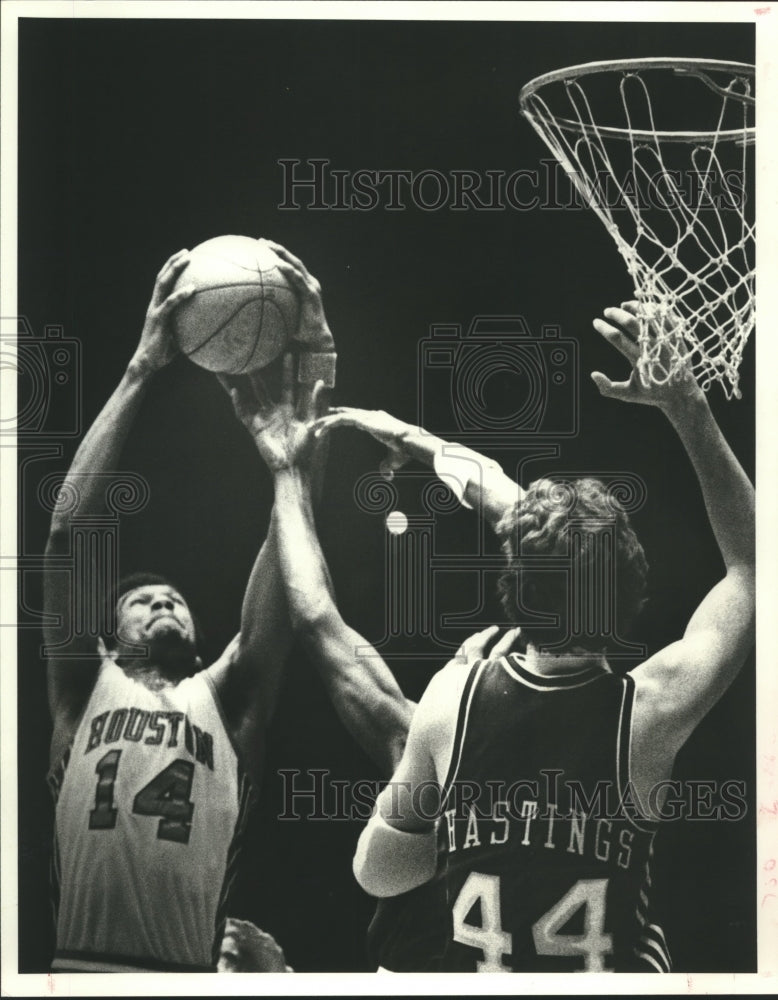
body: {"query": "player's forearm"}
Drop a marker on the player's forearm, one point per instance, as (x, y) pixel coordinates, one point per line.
(303, 568)
(360, 685)
(389, 861)
(265, 629)
(472, 476)
(397, 850)
(362, 689)
(101, 447)
(727, 491)
(264, 611)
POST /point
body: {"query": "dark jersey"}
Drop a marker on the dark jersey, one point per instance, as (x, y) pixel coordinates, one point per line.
(547, 858)
(408, 933)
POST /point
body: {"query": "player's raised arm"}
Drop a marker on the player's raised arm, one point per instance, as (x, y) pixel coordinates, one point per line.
(71, 676)
(249, 673)
(478, 481)
(248, 680)
(362, 688)
(360, 685)
(681, 683)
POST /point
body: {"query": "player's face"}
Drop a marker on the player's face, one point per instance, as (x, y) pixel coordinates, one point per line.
(155, 612)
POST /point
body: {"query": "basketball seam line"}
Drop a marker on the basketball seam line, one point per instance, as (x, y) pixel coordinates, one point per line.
(219, 329)
(239, 371)
(241, 284)
(261, 314)
(229, 260)
(282, 317)
(265, 302)
(263, 285)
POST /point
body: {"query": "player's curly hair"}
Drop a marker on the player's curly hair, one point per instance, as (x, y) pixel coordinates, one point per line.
(564, 519)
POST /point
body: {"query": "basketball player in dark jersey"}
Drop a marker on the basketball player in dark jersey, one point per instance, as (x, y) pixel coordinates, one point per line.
(546, 767)
(410, 930)
(152, 756)
(407, 933)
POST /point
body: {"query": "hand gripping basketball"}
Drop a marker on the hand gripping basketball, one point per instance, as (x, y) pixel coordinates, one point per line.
(317, 358)
(156, 347)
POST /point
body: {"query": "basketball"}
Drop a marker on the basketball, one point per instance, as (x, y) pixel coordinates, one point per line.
(243, 312)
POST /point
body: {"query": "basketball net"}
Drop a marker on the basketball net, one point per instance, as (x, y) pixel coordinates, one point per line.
(674, 201)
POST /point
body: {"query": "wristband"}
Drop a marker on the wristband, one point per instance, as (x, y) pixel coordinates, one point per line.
(315, 365)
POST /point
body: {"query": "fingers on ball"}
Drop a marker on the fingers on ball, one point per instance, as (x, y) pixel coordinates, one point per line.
(178, 296)
(292, 275)
(287, 256)
(177, 261)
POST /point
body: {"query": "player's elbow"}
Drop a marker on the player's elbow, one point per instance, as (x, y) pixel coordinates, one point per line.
(389, 862)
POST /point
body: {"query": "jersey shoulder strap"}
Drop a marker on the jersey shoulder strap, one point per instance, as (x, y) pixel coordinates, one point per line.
(465, 704)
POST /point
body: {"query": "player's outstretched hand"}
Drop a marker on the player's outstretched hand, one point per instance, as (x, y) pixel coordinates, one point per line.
(281, 429)
(313, 332)
(620, 328)
(156, 347)
(381, 425)
(245, 948)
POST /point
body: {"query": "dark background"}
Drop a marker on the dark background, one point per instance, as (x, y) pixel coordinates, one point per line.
(137, 138)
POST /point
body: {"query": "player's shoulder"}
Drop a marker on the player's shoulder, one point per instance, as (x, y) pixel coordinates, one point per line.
(440, 704)
(451, 680)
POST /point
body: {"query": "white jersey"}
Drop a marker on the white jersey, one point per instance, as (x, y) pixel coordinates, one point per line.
(150, 802)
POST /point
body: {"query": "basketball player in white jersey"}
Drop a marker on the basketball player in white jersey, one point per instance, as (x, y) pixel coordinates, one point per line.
(519, 871)
(152, 757)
